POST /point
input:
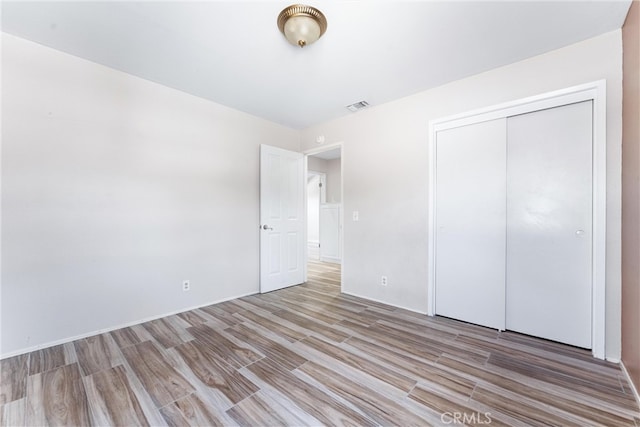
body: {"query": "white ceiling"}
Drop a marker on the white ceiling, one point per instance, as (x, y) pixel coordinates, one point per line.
(335, 153)
(231, 52)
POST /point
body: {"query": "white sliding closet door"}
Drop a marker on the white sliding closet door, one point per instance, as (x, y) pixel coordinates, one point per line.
(470, 223)
(549, 223)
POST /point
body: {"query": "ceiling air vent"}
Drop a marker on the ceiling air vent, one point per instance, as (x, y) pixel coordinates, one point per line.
(357, 106)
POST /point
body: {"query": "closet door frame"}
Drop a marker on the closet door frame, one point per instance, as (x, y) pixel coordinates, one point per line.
(594, 91)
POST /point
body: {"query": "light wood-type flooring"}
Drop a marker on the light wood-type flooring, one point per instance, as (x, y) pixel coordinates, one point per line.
(308, 355)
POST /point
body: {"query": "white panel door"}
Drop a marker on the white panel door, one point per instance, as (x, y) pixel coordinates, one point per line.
(330, 232)
(549, 233)
(470, 223)
(281, 218)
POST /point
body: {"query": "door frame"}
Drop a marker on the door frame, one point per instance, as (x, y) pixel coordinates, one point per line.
(311, 152)
(593, 91)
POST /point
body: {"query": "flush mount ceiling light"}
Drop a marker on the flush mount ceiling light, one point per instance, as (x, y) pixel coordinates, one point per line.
(302, 25)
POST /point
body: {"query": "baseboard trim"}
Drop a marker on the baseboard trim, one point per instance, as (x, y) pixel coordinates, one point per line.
(385, 302)
(114, 328)
(631, 383)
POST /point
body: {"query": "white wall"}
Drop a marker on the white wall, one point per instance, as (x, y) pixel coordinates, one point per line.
(316, 164)
(115, 190)
(334, 181)
(385, 150)
(334, 176)
(313, 208)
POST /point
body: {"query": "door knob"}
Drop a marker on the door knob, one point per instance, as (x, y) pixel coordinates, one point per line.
(266, 227)
(579, 233)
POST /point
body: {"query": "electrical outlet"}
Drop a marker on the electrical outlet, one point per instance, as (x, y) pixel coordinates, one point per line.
(186, 286)
(383, 280)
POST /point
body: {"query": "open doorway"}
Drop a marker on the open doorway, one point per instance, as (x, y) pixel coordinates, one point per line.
(324, 218)
(316, 197)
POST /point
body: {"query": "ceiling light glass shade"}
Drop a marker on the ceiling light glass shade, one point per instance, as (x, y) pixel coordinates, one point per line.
(302, 25)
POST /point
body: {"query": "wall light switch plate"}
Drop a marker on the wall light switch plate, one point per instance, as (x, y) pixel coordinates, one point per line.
(356, 216)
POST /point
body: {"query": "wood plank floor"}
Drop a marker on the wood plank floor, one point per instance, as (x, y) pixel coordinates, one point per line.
(308, 355)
